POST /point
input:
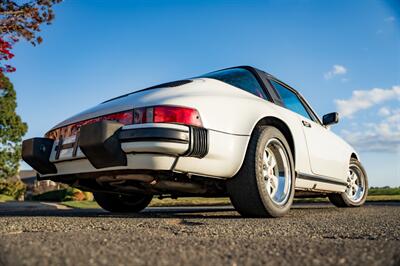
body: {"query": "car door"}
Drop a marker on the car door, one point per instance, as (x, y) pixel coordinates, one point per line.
(325, 149)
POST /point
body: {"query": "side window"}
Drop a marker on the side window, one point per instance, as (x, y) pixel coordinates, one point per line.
(240, 78)
(291, 100)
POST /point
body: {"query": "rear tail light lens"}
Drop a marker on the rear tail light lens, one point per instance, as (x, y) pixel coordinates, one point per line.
(167, 114)
(125, 118)
(154, 114)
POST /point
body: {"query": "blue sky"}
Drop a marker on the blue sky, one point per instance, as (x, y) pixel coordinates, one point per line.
(342, 55)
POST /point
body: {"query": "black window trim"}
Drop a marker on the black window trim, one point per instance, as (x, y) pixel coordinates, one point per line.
(275, 98)
(256, 75)
(314, 117)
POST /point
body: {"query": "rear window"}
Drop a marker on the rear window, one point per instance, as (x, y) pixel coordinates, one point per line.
(240, 78)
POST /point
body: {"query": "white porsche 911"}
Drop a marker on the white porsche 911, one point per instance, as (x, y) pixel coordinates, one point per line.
(237, 132)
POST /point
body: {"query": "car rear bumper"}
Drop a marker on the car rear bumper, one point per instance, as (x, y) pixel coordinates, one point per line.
(108, 145)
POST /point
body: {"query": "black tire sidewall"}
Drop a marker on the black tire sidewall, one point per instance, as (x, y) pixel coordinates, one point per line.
(120, 203)
(272, 208)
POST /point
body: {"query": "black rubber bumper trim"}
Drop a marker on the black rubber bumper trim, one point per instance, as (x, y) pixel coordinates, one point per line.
(36, 152)
(154, 134)
(100, 144)
(322, 179)
(196, 137)
(198, 146)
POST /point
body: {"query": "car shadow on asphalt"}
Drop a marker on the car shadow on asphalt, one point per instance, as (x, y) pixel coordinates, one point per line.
(94, 213)
(43, 209)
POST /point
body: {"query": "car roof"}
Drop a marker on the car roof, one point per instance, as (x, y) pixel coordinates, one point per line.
(261, 73)
(264, 75)
(254, 70)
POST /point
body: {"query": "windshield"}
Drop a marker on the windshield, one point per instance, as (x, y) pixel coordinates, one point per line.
(240, 78)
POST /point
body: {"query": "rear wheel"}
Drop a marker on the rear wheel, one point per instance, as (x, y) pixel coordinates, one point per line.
(356, 190)
(122, 203)
(264, 186)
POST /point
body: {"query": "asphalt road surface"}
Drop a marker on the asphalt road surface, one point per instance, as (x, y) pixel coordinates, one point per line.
(313, 234)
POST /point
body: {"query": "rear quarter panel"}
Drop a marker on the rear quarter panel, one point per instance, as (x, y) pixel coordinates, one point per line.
(228, 112)
(231, 111)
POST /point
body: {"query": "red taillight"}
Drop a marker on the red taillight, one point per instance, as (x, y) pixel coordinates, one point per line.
(181, 115)
(125, 118)
(167, 114)
(154, 114)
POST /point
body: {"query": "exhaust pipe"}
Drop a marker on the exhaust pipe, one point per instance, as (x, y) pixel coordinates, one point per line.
(133, 177)
(118, 181)
(178, 186)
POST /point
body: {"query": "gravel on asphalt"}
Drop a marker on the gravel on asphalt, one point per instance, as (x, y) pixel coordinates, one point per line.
(315, 235)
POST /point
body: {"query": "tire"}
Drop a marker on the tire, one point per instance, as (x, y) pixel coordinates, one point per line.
(122, 203)
(344, 200)
(251, 189)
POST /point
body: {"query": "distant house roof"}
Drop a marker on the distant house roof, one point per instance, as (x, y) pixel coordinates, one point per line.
(23, 174)
(27, 176)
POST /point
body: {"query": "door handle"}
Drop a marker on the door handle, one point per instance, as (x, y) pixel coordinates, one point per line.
(306, 124)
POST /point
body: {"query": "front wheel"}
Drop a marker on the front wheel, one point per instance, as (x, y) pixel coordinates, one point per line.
(357, 187)
(122, 203)
(264, 186)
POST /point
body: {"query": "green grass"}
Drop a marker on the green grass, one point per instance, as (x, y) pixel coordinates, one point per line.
(190, 202)
(370, 198)
(4, 198)
(158, 203)
(215, 201)
(310, 200)
(374, 194)
(383, 198)
(81, 204)
(384, 191)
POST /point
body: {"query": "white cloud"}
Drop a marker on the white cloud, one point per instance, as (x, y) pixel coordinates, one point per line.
(394, 118)
(364, 99)
(390, 19)
(380, 137)
(384, 111)
(336, 70)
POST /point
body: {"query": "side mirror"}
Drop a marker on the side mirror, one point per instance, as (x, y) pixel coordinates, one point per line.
(331, 118)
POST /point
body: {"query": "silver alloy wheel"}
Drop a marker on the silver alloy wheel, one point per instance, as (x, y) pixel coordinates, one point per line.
(355, 184)
(276, 171)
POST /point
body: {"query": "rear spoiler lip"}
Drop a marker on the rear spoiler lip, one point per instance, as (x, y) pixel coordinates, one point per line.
(163, 85)
(121, 108)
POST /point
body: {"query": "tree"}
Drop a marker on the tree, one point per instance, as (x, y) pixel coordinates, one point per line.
(11, 130)
(22, 20)
(5, 54)
(18, 20)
